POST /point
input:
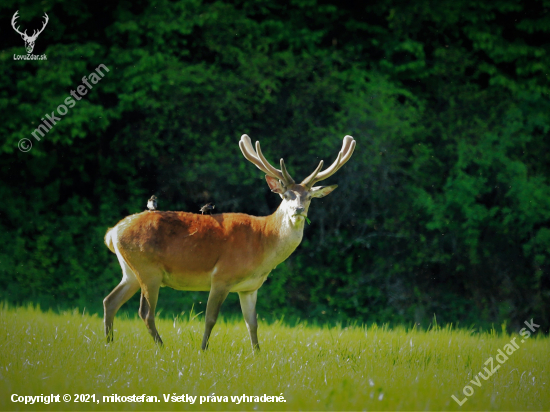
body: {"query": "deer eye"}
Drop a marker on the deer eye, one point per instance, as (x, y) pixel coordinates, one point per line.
(289, 195)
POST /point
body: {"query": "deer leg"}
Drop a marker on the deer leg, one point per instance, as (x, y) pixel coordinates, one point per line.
(215, 300)
(118, 297)
(148, 303)
(248, 306)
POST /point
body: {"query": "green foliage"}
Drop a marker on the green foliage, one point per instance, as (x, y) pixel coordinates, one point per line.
(444, 207)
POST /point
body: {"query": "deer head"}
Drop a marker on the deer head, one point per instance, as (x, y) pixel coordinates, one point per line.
(29, 40)
(296, 197)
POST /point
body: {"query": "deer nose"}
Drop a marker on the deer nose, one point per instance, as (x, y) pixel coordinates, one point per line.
(299, 210)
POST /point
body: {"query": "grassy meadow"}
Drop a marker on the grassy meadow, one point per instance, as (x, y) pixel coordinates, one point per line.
(314, 368)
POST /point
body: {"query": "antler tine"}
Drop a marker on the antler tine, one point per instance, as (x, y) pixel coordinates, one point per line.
(286, 175)
(47, 19)
(14, 22)
(245, 139)
(37, 32)
(310, 178)
(329, 171)
(348, 146)
(348, 149)
(248, 152)
(275, 172)
(257, 158)
(338, 163)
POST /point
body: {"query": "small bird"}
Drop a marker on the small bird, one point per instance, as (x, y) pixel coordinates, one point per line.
(208, 207)
(152, 203)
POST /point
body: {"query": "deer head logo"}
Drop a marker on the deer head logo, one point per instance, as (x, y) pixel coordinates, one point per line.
(29, 40)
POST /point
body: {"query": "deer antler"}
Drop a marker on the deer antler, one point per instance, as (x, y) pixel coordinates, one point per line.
(13, 23)
(348, 146)
(257, 158)
(37, 32)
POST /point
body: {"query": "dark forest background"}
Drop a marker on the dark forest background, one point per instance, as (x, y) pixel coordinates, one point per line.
(443, 209)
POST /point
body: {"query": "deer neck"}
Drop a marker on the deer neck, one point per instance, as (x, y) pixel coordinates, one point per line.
(285, 232)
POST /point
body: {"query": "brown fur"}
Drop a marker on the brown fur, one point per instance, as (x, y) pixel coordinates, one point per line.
(191, 245)
(217, 253)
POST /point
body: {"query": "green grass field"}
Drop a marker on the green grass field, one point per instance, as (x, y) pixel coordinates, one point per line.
(314, 368)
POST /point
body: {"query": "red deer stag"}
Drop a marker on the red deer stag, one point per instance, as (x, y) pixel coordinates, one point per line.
(227, 252)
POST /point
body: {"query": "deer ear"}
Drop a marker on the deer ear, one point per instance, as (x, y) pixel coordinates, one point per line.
(274, 184)
(322, 191)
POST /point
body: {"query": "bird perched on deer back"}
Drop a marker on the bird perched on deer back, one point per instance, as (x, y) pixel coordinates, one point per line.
(207, 208)
(152, 203)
